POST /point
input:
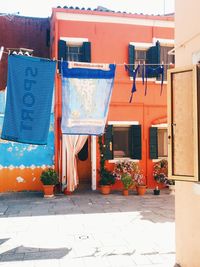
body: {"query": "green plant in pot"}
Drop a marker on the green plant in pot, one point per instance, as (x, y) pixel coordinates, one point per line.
(106, 177)
(106, 180)
(49, 179)
(127, 182)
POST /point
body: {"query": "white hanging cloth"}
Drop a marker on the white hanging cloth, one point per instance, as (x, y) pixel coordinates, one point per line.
(71, 145)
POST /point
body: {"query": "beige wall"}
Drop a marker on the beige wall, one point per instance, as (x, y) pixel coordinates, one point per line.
(187, 204)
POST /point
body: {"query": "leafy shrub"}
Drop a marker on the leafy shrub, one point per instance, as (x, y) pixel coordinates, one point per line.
(49, 177)
(107, 178)
(127, 181)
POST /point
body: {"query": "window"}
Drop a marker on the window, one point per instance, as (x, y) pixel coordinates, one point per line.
(74, 53)
(158, 142)
(162, 143)
(140, 58)
(148, 54)
(166, 59)
(123, 141)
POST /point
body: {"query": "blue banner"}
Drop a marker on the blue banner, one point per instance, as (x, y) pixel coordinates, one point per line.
(29, 99)
(86, 94)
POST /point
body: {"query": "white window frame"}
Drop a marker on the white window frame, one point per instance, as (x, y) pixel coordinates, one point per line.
(122, 124)
(74, 40)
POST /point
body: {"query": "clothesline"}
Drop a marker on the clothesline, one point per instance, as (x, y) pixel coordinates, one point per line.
(117, 64)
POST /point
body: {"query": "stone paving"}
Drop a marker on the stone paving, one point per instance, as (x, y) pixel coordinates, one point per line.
(87, 229)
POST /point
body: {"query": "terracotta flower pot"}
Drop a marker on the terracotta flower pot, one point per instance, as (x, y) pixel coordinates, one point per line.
(48, 191)
(105, 189)
(141, 189)
(125, 192)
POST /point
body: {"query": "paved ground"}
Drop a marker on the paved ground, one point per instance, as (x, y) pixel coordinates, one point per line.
(87, 229)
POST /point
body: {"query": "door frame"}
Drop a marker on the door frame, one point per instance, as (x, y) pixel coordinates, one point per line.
(94, 162)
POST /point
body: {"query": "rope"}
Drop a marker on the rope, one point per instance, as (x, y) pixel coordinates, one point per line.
(117, 64)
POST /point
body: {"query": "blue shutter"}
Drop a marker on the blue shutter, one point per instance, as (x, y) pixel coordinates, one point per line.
(153, 56)
(108, 142)
(86, 52)
(153, 142)
(62, 52)
(131, 58)
(136, 142)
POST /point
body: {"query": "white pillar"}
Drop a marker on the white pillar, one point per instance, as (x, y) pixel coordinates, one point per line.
(93, 161)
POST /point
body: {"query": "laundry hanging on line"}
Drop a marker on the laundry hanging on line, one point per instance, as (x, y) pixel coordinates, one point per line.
(86, 94)
(153, 72)
(147, 72)
(133, 73)
(29, 99)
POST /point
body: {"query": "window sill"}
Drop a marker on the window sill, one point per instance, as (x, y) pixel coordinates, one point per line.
(160, 158)
(139, 79)
(159, 82)
(121, 159)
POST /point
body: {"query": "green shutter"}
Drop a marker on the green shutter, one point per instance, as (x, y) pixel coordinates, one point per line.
(153, 142)
(153, 56)
(108, 142)
(86, 52)
(62, 52)
(136, 142)
(131, 58)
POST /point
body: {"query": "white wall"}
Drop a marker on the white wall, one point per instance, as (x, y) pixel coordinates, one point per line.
(187, 203)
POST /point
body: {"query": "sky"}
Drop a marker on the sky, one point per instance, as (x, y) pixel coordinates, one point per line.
(34, 8)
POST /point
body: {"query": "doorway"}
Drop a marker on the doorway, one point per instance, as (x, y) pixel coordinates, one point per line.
(84, 166)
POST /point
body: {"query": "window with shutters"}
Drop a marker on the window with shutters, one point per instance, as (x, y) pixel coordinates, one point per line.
(146, 53)
(74, 49)
(158, 141)
(123, 140)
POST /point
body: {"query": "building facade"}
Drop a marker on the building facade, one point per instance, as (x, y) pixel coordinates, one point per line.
(136, 130)
(187, 198)
(21, 164)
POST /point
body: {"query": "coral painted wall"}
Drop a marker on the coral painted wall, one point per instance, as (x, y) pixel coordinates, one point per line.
(110, 35)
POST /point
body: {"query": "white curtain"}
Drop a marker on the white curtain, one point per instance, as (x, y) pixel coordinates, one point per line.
(72, 144)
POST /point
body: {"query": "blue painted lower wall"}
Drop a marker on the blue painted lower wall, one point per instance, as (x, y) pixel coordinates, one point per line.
(21, 164)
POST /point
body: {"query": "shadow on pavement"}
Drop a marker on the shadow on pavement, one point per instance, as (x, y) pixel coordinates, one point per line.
(29, 253)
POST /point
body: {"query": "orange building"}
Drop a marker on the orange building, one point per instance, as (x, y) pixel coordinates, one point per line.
(136, 130)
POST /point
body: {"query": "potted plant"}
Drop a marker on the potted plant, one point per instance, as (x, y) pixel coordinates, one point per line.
(49, 179)
(140, 183)
(127, 182)
(106, 177)
(156, 191)
(160, 173)
(124, 170)
(106, 180)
